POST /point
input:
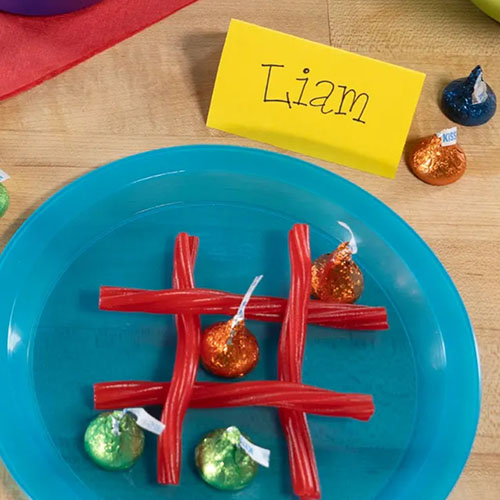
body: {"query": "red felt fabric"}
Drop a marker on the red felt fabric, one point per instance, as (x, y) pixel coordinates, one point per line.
(34, 49)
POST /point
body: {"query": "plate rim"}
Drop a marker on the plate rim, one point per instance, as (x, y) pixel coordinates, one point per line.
(303, 166)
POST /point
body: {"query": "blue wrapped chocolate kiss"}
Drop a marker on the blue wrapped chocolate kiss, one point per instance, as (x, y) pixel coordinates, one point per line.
(469, 101)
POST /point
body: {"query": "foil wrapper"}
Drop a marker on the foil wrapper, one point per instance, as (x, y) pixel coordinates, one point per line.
(469, 101)
(4, 199)
(229, 357)
(336, 277)
(222, 463)
(436, 164)
(114, 441)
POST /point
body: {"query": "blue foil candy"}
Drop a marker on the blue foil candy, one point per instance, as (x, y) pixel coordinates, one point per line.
(469, 101)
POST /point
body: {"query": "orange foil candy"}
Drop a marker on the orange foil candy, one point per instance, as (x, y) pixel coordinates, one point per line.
(225, 357)
(436, 164)
(336, 277)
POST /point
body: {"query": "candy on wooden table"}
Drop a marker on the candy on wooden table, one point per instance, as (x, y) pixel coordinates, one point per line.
(469, 101)
(4, 199)
(4, 194)
(438, 159)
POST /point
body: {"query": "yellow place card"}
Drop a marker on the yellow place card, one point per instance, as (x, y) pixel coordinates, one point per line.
(314, 99)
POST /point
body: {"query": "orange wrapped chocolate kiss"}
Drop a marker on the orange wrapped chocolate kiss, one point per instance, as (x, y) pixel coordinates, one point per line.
(336, 277)
(436, 164)
(227, 356)
(228, 348)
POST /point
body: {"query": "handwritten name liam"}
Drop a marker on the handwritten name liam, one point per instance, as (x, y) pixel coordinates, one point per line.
(322, 94)
(313, 99)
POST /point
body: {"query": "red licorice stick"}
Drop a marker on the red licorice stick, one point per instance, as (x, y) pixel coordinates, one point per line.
(185, 367)
(121, 296)
(290, 355)
(112, 395)
(205, 301)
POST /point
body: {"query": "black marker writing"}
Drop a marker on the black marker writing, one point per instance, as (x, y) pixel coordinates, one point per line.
(355, 98)
(305, 80)
(320, 101)
(266, 98)
(323, 95)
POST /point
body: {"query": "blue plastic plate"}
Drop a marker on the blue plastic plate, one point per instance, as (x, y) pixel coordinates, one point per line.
(116, 226)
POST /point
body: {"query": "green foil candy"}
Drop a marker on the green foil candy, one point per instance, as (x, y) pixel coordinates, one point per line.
(4, 199)
(114, 441)
(222, 463)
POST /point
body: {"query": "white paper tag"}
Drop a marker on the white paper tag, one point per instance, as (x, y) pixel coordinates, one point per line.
(146, 421)
(353, 246)
(115, 424)
(240, 315)
(256, 453)
(480, 92)
(448, 136)
(4, 176)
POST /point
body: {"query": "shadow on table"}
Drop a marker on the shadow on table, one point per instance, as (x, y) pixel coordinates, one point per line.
(203, 51)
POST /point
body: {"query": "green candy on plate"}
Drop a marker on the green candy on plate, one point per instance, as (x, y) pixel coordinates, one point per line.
(222, 463)
(114, 441)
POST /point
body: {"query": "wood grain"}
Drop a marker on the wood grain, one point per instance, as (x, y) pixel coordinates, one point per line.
(154, 90)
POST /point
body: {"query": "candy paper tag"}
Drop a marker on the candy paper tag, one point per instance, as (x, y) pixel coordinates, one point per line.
(448, 136)
(115, 424)
(256, 453)
(353, 246)
(146, 421)
(4, 176)
(240, 315)
(313, 98)
(480, 93)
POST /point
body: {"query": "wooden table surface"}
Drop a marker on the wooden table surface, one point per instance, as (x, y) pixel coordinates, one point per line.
(153, 90)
